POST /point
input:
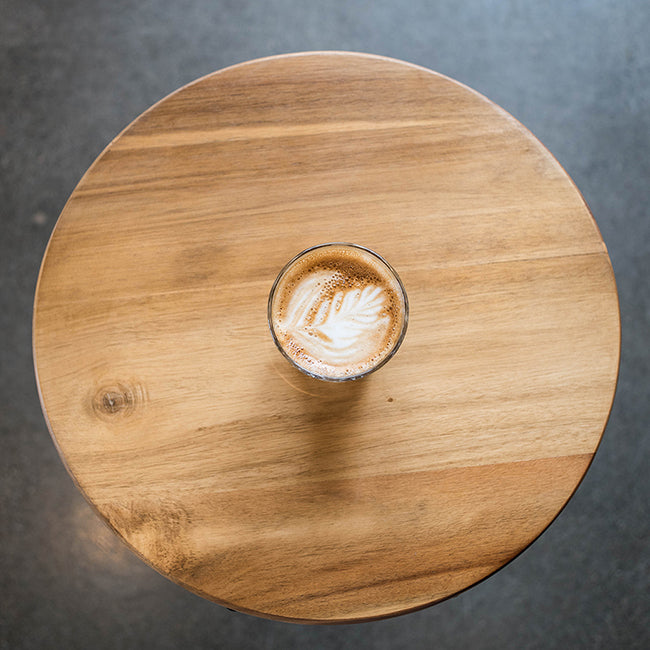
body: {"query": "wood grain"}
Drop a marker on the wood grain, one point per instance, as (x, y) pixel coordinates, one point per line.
(275, 494)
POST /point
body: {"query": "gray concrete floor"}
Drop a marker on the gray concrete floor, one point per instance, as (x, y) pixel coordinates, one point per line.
(73, 73)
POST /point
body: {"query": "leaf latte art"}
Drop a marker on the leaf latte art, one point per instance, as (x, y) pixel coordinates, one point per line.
(337, 329)
(338, 311)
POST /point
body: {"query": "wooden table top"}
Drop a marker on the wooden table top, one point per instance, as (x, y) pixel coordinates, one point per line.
(283, 496)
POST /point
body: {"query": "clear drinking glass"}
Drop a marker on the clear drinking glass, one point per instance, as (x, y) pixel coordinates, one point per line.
(338, 311)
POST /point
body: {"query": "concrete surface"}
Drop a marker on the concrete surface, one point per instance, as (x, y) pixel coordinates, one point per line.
(73, 73)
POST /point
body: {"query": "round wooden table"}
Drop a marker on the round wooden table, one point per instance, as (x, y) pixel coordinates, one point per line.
(253, 485)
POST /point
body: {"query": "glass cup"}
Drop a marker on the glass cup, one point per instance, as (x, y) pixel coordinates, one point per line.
(338, 311)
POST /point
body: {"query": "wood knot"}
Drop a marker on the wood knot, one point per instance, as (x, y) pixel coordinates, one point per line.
(118, 400)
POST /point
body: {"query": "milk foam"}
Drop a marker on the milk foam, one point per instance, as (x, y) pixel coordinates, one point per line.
(338, 311)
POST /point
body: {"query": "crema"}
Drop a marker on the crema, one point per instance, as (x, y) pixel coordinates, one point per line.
(338, 311)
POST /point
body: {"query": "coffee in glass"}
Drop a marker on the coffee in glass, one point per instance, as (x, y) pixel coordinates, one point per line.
(338, 311)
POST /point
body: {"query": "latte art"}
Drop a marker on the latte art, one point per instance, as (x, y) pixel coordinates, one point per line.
(337, 311)
(337, 329)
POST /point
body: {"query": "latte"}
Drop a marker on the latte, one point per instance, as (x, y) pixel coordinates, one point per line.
(338, 311)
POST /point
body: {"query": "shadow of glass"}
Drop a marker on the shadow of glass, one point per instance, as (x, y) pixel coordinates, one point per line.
(330, 413)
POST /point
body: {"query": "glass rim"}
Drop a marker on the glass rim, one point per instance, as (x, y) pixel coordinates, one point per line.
(358, 375)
